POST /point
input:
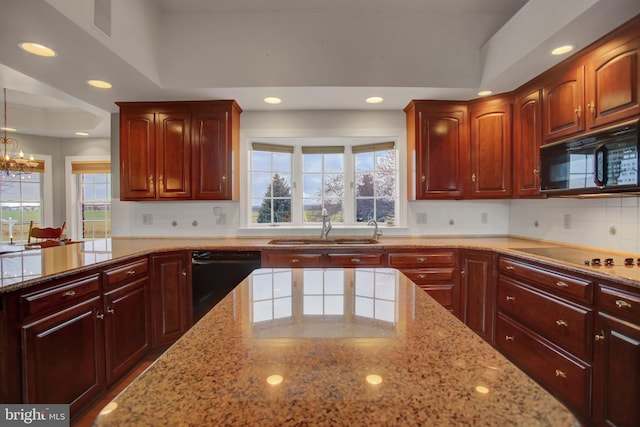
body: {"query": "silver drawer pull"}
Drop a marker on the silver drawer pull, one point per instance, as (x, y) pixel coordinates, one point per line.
(562, 323)
(294, 260)
(561, 284)
(110, 310)
(355, 260)
(421, 276)
(508, 338)
(510, 267)
(69, 293)
(622, 304)
(421, 259)
(600, 336)
(561, 374)
(510, 298)
(99, 316)
(131, 272)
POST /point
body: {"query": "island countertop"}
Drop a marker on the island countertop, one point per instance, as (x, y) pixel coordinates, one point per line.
(332, 347)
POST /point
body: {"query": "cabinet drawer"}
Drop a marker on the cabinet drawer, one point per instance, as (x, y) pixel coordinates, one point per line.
(52, 299)
(618, 303)
(429, 275)
(563, 323)
(355, 260)
(443, 293)
(129, 271)
(559, 284)
(285, 260)
(565, 377)
(418, 260)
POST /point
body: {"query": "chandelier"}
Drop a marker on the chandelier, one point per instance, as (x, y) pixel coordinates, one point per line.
(10, 163)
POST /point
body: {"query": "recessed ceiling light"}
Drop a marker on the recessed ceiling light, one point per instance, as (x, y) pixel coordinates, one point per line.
(272, 100)
(485, 92)
(82, 134)
(562, 50)
(9, 129)
(101, 84)
(37, 49)
(375, 99)
(274, 379)
(374, 379)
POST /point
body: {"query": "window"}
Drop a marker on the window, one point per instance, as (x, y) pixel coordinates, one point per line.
(94, 198)
(355, 181)
(21, 203)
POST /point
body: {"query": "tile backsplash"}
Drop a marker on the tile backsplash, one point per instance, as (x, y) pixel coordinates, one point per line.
(610, 223)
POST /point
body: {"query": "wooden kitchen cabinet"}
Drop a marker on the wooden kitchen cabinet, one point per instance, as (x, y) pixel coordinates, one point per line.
(527, 139)
(62, 342)
(490, 150)
(322, 258)
(616, 364)
(127, 319)
(437, 140)
(545, 326)
(179, 150)
(434, 272)
(613, 85)
(563, 103)
(171, 309)
(477, 292)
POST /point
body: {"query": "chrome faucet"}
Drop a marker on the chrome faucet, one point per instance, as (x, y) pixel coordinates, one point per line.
(326, 225)
(376, 233)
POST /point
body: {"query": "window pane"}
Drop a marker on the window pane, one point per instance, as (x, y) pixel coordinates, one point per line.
(334, 186)
(260, 184)
(270, 187)
(364, 210)
(260, 161)
(312, 185)
(312, 162)
(364, 185)
(282, 162)
(312, 210)
(333, 162)
(364, 162)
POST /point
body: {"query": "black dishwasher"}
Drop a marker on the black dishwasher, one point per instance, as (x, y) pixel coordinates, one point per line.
(215, 273)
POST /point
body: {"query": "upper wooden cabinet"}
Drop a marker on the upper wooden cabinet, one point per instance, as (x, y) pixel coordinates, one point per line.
(527, 138)
(612, 92)
(437, 134)
(490, 148)
(179, 150)
(563, 98)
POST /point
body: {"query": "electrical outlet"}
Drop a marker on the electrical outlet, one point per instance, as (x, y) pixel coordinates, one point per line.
(484, 217)
(221, 219)
(147, 219)
(567, 221)
(421, 218)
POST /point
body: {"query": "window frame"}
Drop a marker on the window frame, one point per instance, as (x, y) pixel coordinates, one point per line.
(296, 173)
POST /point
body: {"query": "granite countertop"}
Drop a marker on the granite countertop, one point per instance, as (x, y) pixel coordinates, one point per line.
(342, 347)
(25, 268)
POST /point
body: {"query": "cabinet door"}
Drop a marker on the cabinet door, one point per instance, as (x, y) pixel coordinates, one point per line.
(211, 156)
(442, 136)
(174, 156)
(63, 356)
(137, 156)
(490, 150)
(563, 101)
(613, 92)
(478, 292)
(127, 331)
(527, 138)
(171, 298)
(616, 387)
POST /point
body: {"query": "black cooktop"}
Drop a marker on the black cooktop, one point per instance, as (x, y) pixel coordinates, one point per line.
(579, 256)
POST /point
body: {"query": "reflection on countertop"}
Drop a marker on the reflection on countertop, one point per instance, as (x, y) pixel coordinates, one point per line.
(332, 347)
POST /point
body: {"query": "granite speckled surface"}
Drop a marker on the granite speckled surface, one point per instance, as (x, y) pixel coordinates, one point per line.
(25, 268)
(433, 369)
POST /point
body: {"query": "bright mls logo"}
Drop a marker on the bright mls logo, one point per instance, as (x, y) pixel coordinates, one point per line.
(34, 415)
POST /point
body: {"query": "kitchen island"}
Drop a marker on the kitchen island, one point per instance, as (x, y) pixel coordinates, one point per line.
(332, 347)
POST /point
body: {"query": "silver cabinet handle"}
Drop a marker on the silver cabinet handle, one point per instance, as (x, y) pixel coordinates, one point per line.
(69, 293)
(294, 260)
(508, 338)
(355, 260)
(110, 310)
(561, 284)
(131, 272)
(562, 323)
(600, 336)
(510, 267)
(421, 259)
(561, 374)
(99, 316)
(421, 276)
(510, 298)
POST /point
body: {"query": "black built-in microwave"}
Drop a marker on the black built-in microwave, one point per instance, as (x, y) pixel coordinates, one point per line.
(602, 162)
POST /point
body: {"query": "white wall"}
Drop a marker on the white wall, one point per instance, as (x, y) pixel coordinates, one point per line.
(610, 223)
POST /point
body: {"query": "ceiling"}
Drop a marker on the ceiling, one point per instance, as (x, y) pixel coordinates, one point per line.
(314, 54)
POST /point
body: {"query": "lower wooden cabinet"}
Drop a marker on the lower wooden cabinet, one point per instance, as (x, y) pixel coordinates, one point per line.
(477, 292)
(616, 364)
(434, 271)
(63, 356)
(171, 309)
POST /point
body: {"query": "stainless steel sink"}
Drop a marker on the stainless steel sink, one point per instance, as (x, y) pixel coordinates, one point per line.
(316, 241)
